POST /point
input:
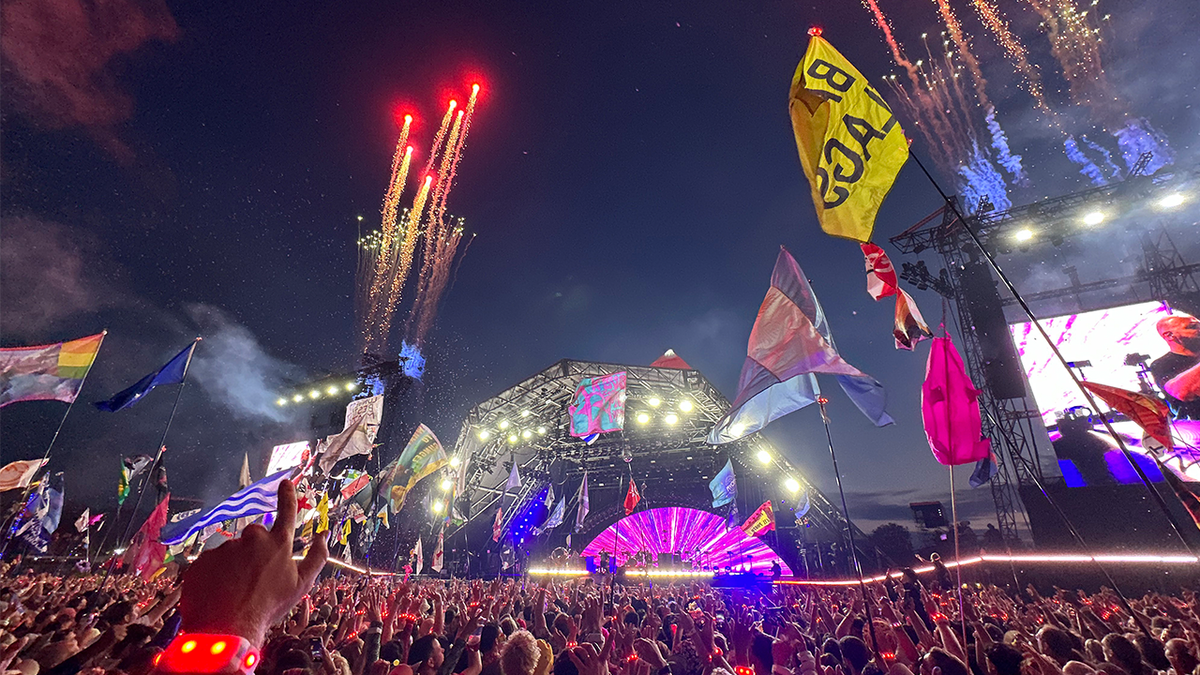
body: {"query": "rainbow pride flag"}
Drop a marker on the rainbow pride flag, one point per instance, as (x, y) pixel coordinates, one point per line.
(47, 372)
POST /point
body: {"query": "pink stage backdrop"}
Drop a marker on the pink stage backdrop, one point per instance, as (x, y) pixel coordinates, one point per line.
(700, 537)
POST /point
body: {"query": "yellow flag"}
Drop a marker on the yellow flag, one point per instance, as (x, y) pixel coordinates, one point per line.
(345, 531)
(851, 145)
(323, 514)
(383, 516)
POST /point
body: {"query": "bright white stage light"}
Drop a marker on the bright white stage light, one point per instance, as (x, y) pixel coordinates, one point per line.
(685, 405)
(438, 506)
(654, 401)
(1171, 201)
(671, 418)
(541, 431)
(350, 386)
(331, 391)
(297, 398)
(1023, 235)
(512, 438)
(642, 418)
(526, 434)
(455, 461)
(281, 401)
(792, 485)
(525, 413)
(447, 484)
(764, 457)
(314, 394)
(484, 435)
(1093, 218)
(503, 424)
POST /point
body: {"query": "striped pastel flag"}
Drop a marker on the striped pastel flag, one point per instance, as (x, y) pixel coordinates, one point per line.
(47, 372)
(259, 498)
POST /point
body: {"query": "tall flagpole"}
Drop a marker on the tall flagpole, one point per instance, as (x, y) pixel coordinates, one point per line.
(862, 586)
(53, 439)
(1087, 395)
(162, 444)
(957, 557)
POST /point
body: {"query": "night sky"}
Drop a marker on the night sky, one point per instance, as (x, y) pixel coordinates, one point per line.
(182, 169)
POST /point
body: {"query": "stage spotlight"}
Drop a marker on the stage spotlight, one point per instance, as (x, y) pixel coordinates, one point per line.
(297, 398)
(685, 405)
(1093, 218)
(1023, 235)
(1171, 201)
(331, 391)
(503, 424)
(541, 431)
(314, 394)
(792, 485)
(671, 418)
(764, 457)
(281, 401)
(350, 386)
(737, 428)
(525, 413)
(438, 506)
(455, 461)
(446, 485)
(512, 438)
(484, 435)
(642, 418)
(654, 401)
(526, 434)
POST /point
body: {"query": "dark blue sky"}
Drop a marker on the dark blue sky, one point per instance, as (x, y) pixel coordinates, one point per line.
(630, 176)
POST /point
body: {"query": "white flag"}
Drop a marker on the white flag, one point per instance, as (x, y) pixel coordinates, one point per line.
(514, 479)
(358, 434)
(550, 496)
(439, 552)
(20, 473)
(420, 556)
(584, 506)
(81, 524)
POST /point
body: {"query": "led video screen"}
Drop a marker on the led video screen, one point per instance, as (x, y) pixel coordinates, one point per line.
(1121, 347)
(286, 456)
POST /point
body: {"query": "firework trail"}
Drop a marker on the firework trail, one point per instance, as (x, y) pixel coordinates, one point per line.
(1086, 166)
(1004, 155)
(977, 179)
(1114, 171)
(1138, 137)
(443, 236)
(964, 50)
(990, 15)
(897, 52)
(382, 245)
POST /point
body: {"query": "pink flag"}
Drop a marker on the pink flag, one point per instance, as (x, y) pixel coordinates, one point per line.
(146, 552)
(950, 409)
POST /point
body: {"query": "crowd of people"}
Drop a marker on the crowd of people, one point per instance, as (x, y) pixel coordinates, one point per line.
(303, 622)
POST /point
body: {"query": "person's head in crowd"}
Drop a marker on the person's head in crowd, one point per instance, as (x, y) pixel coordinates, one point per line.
(855, 654)
(489, 641)
(761, 656)
(520, 654)
(1078, 668)
(1119, 650)
(1180, 655)
(1152, 651)
(425, 655)
(1005, 658)
(1058, 644)
(940, 658)
(508, 626)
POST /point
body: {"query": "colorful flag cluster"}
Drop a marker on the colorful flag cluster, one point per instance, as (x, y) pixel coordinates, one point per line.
(48, 372)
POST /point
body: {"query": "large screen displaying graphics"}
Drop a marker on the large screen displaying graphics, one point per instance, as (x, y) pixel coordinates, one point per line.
(1118, 347)
(286, 456)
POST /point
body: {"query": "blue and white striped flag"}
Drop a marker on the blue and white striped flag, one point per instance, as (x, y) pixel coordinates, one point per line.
(261, 497)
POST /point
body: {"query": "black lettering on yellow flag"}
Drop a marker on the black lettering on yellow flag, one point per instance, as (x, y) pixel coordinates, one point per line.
(850, 144)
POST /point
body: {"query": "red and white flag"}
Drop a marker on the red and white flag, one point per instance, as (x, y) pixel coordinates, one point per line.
(632, 497)
(910, 328)
(439, 553)
(497, 529)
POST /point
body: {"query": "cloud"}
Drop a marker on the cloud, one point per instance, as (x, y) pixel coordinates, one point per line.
(45, 276)
(59, 60)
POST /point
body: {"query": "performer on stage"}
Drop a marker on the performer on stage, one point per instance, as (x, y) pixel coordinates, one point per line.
(1177, 372)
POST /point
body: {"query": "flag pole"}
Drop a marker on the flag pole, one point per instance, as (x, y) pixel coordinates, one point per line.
(162, 444)
(53, 439)
(962, 617)
(1087, 395)
(837, 474)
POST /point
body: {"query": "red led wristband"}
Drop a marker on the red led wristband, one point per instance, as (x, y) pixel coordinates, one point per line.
(208, 653)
